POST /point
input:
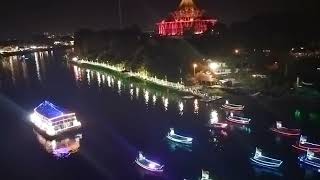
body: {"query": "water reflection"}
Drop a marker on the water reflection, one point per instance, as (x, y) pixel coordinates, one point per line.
(119, 87)
(196, 106)
(60, 148)
(214, 117)
(181, 106)
(165, 102)
(154, 100)
(88, 77)
(146, 97)
(36, 59)
(174, 146)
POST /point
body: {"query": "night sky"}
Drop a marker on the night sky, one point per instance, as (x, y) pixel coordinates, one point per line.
(22, 17)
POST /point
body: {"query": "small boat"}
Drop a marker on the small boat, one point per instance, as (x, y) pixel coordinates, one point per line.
(265, 161)
(285, 131)
(178, 138)
(188, 97)
(208, 99)
(214, 121)
(310, 159)
(303, 145)
(148, 164)
(205, 175)
(234, 107)
(238, 119)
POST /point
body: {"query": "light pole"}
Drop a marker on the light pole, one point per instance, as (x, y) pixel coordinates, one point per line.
(194, 69)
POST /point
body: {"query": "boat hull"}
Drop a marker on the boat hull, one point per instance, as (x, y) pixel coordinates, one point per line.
(286, 131)
(182, 141)
(156, 170)
(233, 108)
(70, 131)
(306, 147)
(304, 160)
(267, 164)
(238, 121)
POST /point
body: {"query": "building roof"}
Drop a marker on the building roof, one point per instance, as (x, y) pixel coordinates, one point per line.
(187, 4)
(49, 110)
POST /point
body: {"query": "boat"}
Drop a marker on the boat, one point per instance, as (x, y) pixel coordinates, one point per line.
(188, 97)
(148, 164)
(310, 159)
(234, 107)
(214, 121)
(205, 175)
(285, 131)
(53, 120)
(178, 138)
(265, 161)
(208, 99)
(304, 145)
(238, 119)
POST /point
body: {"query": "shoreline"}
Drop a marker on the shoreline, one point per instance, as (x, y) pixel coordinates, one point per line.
(152, 81)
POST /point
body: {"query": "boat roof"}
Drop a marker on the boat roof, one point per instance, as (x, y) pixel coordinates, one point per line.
(49, 110)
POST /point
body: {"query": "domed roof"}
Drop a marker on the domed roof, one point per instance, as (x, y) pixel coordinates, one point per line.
(187, 4)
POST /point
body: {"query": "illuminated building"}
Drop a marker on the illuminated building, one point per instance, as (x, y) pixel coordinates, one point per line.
(188, 17)
(52, 119)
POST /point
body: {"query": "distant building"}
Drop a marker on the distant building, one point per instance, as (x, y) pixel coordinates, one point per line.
(187, 18)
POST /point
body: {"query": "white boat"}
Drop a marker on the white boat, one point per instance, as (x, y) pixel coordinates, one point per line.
(304, 145)
(148, 164)
(205, 175)
(234, 107)
(178, 138)
(265, 161)
(310, 159)
(238, 119)
(52, 119)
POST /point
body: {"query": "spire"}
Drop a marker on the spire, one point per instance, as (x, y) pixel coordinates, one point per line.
(187, 3)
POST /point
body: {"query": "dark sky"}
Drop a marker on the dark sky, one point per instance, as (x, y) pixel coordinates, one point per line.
(26, 16)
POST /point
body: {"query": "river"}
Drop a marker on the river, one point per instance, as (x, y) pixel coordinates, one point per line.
(120, 118)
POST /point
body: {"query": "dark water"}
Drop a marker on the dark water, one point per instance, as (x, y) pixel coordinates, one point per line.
(121, 118)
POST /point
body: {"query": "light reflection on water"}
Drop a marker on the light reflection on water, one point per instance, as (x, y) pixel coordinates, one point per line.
(60, 148)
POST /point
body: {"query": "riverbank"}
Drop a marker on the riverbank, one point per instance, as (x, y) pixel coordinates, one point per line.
(143, 77)
(15, 53)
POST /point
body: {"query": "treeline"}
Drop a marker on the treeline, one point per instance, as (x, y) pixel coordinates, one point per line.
(174, 57)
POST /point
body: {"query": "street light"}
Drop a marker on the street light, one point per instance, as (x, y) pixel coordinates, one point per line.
(213, 66)
(194, 69)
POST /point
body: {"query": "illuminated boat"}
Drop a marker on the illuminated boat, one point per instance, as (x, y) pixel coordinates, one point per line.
(205, 175)
(285, 131)
(178, 138)
(60, 148)
(303, 145)
(188, 97)
(148, 164)
(264, 161)
(208, 99)
(310, 160)
(238, 119)
(234, 107)
(52, 119)
(214, 121)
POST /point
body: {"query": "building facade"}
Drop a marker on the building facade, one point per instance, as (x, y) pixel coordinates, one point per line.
(187, 18)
